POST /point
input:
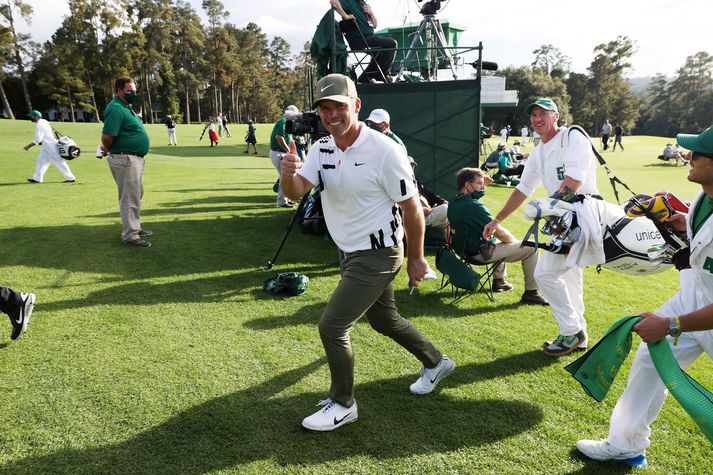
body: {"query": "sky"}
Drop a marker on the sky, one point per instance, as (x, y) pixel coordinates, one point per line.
(665, 31)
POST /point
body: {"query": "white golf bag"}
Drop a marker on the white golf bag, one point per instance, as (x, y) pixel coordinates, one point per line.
(632, 246)
(68, 148)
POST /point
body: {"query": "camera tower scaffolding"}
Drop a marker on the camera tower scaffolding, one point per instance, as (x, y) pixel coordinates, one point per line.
(435, 42)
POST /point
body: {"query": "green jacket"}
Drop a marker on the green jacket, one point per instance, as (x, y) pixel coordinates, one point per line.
(321, 47)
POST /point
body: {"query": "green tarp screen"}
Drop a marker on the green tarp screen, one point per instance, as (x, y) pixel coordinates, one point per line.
(438, 122)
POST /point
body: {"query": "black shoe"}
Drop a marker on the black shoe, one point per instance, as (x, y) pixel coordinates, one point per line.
(502, 285)
(138, 242)
(533, 297)
(32, 180)
(21, 317)
(145, 233)
(69, 181)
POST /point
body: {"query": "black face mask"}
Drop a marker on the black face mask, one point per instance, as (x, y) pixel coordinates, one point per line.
(130, 97)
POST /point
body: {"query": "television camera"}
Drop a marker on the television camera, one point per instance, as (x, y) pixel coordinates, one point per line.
(431, 7)
(307, 123)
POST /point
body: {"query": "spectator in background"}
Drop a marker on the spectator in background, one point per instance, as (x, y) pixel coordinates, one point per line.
(18, 306)
(468, 217)
(503, 136)
(618, 132)
(49, 152)
(279, 145)
(380, 120)
(435, 208)
(126, 143)
(523, 134)
(225, 126)
(606, 132)
(250, 138)
(171, 128)
(212, 135)
(358, 25)
(219, 119)
(673, 152)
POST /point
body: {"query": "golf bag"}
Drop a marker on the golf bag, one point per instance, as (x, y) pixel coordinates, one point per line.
(636, 244)
(312, 218)
(68, 148)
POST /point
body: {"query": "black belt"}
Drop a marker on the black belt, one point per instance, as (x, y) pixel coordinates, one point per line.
(129, 153)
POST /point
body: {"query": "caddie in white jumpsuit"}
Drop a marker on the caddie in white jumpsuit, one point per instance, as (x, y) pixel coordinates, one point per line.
(689, 312)
(565, 164)
(49, 152)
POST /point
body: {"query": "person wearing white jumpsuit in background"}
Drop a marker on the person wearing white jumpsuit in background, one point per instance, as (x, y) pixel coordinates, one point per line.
(689, 313)
(49, 152)
(564, 170)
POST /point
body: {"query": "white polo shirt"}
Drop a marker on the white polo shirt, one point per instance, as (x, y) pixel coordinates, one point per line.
(360, 189)
(550, 162)
(44, 134)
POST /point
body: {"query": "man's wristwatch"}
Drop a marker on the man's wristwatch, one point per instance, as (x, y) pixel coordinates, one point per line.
(674, 328)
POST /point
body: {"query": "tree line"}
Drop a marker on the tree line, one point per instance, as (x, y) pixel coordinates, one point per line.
(183, 67)
(191, 70)
(669, 105)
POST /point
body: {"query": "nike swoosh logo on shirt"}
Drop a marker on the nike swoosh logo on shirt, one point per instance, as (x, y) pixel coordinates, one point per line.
(337, 421)
(326, 87)
(359, 164)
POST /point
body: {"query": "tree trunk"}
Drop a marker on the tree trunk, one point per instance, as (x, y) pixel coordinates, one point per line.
(198, 106)
(20, 65)
(94, 99)
(71, 105)
(237, 106)
(148, 97)
(5, 103)
(187, 118)
(215, 95)
(220, 100)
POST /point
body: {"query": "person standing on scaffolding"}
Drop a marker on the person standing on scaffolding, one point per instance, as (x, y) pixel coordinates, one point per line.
(358, 24)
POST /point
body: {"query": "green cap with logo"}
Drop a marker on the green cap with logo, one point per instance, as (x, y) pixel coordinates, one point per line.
(544, 102)
(34, 114)
(336, 87)
(701, 143)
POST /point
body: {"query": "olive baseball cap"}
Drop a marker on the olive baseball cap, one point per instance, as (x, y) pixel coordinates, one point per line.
(34, 113)
(544, 102)
(336, 87)
(701, 143)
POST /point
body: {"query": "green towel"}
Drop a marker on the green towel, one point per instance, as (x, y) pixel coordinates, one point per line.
(597, 369)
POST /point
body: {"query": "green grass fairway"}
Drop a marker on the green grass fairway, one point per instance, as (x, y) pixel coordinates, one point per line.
(171, 359)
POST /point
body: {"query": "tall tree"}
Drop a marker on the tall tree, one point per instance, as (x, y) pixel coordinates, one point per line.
(189, 58)
(5, 51)
(551, 60)
(10, 12)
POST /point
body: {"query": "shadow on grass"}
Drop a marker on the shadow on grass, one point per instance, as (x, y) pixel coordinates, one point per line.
(180, 247)
(594, 467)
(259, 424)
(224, 149)
(665, 165)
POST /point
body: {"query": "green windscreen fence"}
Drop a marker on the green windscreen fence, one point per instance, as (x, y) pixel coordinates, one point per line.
(438, 122)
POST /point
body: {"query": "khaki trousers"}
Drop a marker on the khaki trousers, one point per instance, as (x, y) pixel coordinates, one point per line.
(512, 252)
(128, 173)
(366, 288)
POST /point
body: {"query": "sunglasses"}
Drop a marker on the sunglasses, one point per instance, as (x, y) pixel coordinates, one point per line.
(697, 155)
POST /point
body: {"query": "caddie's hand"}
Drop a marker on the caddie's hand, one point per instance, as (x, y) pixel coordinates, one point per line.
(416, 269)
(291, 163)
(26, 147)
(367, 10)
(652, 328)
(677, 221)
(490, 229)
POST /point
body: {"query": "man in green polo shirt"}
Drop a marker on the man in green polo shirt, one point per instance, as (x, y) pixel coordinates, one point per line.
(468, 217)
(125, 142)
(358, 25)
(279, 145)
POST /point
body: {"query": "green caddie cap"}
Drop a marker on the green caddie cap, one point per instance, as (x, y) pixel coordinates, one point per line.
(34, 114)
(545, 103)
(701, 143)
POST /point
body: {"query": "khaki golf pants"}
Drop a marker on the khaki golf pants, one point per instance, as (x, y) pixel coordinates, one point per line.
(128, 172)
(366, 288)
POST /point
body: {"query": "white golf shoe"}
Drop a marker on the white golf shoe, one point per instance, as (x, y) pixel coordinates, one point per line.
(430, 377)
(331, 416)
(602, 451)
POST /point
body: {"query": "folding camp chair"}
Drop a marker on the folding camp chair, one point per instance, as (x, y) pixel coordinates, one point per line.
(457, 270)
